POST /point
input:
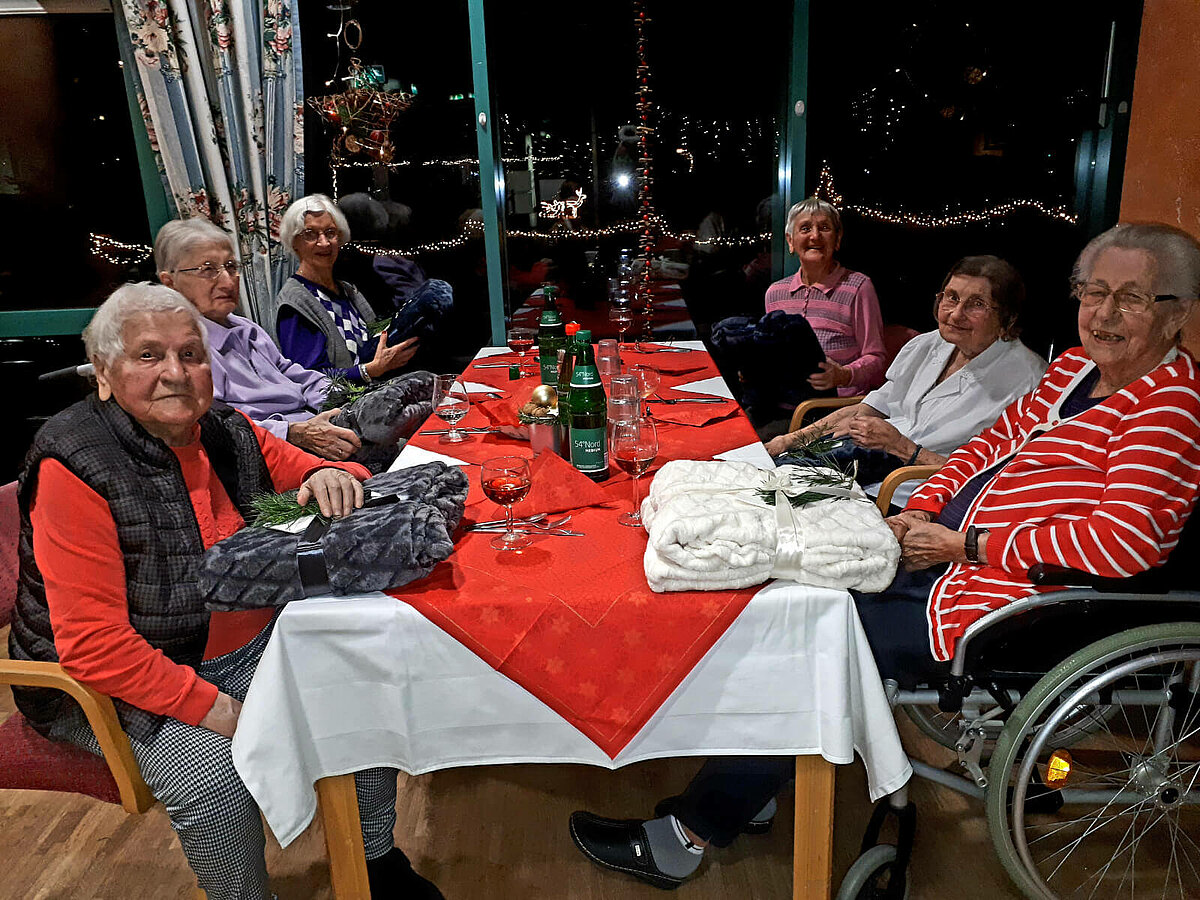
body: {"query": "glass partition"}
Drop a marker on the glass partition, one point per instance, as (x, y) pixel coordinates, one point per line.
(565, 79)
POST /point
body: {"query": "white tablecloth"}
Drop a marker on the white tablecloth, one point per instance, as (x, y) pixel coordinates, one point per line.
(353, 682)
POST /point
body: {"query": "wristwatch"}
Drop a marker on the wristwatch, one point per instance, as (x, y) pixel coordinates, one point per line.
(971, 544)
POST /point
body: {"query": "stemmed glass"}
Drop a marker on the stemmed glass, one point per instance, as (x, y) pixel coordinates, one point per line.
(634, 449)
(520, 342)
(451, 403)
(623, 317)
(648, 378)
(506, 480)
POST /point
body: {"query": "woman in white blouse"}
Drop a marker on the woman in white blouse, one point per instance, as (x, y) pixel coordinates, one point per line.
(945, 386)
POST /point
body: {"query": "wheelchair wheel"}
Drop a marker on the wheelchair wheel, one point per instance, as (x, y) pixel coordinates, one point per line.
(1117, 816)
(870, 875)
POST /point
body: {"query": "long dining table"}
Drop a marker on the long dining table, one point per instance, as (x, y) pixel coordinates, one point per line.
(561, 653)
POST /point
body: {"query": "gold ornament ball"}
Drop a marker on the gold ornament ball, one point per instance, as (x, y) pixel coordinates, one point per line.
(544, 395)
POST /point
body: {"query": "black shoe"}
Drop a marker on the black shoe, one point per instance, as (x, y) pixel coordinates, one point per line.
(754, 826)
(619, 844)
(392, 877)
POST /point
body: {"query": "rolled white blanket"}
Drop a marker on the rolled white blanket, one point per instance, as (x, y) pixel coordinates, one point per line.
(709, 529)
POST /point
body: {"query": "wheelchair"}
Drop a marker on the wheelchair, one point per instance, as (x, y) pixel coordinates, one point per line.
(1075, 717)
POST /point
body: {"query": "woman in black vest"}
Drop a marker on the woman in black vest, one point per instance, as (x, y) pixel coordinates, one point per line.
(120, 496)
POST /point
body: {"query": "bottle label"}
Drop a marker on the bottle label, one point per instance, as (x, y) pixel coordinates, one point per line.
(589, 449)
(550, 317)
(584, 377)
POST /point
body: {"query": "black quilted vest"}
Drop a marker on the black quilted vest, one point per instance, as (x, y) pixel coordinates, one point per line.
(140, 478)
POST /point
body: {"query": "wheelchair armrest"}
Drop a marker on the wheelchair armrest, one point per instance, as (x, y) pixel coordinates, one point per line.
(1154, 581)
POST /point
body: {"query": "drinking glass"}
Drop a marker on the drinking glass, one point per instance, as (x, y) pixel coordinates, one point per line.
(622, 316)
(634, 449)
(648, 377)
(608, 360)
(506, 480)
(520, 342)
(451, 403)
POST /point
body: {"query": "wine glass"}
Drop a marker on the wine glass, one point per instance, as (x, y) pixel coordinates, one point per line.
(520, 342)
(648, 377)
(623, 317)
(451, 403)
(634, 449)
(506, 480)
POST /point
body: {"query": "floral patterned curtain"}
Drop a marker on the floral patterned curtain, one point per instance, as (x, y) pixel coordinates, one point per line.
(220, 89)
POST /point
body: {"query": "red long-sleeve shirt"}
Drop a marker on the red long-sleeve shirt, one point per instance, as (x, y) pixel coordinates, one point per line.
(76, 547)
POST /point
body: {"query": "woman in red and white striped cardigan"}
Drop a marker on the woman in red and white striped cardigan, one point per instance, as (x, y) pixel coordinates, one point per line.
(1097, 469)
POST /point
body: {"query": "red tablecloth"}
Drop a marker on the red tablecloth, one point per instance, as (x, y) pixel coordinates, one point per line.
(571, 619)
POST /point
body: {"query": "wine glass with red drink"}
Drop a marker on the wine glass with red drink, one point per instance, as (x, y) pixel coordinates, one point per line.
(451, 403)
(506, 481)
(634, 449)
(622, 316)
(520, 342)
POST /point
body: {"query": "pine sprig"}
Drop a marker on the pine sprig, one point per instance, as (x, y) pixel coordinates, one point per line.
(822, 470)
(379, 326)
(280, 509)
(342, 391)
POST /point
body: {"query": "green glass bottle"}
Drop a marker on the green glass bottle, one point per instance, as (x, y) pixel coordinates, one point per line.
(551, 335)
(565, 366)
(589, 412)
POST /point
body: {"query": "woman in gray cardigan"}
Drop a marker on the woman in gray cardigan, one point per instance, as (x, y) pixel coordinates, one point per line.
(321, 323)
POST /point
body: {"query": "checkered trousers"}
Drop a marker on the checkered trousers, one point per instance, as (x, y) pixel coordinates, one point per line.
(191, 771)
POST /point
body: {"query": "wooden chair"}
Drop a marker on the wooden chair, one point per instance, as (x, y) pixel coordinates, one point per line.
(897, 478)
(29, 761)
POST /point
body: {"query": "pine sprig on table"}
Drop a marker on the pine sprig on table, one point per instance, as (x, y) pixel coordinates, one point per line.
(823, 470)
(279, 509)
(379, 326)
(342, 391)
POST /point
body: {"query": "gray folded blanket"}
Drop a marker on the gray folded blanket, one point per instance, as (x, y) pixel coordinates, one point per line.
(376, 547)
(387, 415)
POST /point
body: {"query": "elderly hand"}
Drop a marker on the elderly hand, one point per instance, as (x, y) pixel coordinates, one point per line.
(223, 717)
(830, 376)
(338, 493)
(902, 522)
(874, 433)
(320, 436)
(782, 444)
(926, 544)
(389, 358)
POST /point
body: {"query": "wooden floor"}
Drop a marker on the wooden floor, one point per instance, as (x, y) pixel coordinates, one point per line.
(494, 832)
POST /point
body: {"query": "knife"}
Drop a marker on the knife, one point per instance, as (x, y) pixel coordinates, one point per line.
(688, 400)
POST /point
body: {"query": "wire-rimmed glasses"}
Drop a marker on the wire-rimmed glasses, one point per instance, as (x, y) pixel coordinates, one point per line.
(1093, 293)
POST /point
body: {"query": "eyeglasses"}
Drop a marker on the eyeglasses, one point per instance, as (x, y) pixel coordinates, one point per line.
(211, 272)
(309, 236)
(1093, 293)
(972, 306)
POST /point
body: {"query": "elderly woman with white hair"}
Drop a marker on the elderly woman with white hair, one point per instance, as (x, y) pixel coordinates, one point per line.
(1097, 469)
(120, 496)
(840, 304)
(321, 323)
(197, 258)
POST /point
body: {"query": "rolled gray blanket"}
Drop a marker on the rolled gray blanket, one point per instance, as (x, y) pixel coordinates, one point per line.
(377, 547)
(387, 415)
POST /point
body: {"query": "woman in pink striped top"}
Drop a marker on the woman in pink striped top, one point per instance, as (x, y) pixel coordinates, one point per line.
(839, 304)
(1097, 469)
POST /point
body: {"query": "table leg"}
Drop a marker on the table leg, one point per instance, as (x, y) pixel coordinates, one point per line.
(343, 837)
(813, 848)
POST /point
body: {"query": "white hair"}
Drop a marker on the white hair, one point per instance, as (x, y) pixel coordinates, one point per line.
(293, 220)
(179, 237)
(104, 337)
(814, 206)
(1176, 255)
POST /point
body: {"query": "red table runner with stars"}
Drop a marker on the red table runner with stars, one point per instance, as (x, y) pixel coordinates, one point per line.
(571, 619)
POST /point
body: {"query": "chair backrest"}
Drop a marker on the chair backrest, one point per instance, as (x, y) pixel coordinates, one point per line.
(895, 337)
(10, 529)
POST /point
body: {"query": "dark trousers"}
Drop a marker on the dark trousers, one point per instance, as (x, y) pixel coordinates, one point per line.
(728, 791)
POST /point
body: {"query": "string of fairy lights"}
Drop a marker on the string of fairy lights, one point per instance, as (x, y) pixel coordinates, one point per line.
(645, 175)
